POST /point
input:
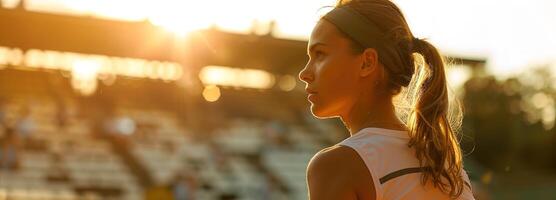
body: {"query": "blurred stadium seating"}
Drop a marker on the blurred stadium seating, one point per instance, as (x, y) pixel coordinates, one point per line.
(82, 150)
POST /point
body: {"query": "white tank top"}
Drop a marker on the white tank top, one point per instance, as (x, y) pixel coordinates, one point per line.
(393, 166)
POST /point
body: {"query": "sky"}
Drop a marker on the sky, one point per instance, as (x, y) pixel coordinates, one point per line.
(512, 35)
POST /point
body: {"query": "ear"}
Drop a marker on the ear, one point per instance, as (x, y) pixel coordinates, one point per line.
(370, 62)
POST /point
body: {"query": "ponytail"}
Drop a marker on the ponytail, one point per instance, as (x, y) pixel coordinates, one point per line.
(432, 135)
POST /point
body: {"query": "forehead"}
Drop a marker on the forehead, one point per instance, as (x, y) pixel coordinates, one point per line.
(326, 32)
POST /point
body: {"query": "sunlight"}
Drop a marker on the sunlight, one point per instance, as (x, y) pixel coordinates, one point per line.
(234, 77)
(84, 76)
(457, 33)
(457, 75)
(211, 93)
(181, 17)
(213, 75)
(287, 83)
(10, 3)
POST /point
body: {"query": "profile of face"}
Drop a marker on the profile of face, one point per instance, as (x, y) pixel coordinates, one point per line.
(335, 74)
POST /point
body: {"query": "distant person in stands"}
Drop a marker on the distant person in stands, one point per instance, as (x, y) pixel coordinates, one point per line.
(275, 133)
(9, 148)
(25, 125)
(403, 144)
(265, 188)
(62, 115)
(122, 125)
(3, 113)
(57, 171)
(184, 187)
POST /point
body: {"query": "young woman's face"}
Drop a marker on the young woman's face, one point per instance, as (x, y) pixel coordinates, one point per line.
(332, 73)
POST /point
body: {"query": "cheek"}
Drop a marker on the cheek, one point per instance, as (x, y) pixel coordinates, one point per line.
(338, 77)
(337, 84)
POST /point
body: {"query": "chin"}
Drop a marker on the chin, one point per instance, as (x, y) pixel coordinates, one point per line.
(320, 113)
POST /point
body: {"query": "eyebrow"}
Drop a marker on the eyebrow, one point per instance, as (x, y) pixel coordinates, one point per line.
(313, 46)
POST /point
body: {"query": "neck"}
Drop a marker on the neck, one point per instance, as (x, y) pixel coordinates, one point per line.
(372, 112)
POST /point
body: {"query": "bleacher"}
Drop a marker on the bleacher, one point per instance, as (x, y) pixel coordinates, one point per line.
(243, 158)
(63, 163)
(290, 167)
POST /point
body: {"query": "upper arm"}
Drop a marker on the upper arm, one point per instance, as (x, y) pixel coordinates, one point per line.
(336, 173)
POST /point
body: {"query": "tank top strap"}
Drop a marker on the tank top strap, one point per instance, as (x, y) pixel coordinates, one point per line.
(411, 170)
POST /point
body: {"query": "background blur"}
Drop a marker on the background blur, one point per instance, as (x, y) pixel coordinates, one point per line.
(200, 99)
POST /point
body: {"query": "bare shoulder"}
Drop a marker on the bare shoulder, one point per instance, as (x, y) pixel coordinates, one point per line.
(337, 172)
(334, 157)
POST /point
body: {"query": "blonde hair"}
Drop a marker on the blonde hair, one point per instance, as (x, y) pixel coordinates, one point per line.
(423, 101)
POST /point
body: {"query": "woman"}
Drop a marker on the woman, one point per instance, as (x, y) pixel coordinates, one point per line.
(361, 57)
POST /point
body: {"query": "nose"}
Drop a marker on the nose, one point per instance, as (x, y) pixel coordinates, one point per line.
(305, 74)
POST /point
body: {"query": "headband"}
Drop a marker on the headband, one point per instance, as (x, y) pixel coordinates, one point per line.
(356, 26)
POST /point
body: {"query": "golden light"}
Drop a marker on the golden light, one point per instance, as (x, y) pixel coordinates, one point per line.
(84, 76)
(177, 25)
(211, 93)
(11, 56)
(51, 61)
(457, 75)
(182, 17)
(547, 113)
(233, 77)
(10, 3)
(287, 83)
(33, 58)
(255, 79)
(77, 63)
(4, 55)
(541, 100)
(151, 70)
(169, 71)
(85, 69)
(177, 72)
(217, 75)
(548, 117)
(66, 60)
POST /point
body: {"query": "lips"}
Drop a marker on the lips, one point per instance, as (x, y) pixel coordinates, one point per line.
(310, 91)
(311, 97)
(311, 94)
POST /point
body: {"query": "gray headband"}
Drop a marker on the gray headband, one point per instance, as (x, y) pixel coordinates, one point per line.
(356, 26)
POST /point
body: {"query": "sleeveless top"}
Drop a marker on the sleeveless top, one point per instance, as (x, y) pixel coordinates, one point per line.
(394, 167)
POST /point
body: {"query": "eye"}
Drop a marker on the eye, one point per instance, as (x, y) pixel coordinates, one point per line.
(319, 54)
